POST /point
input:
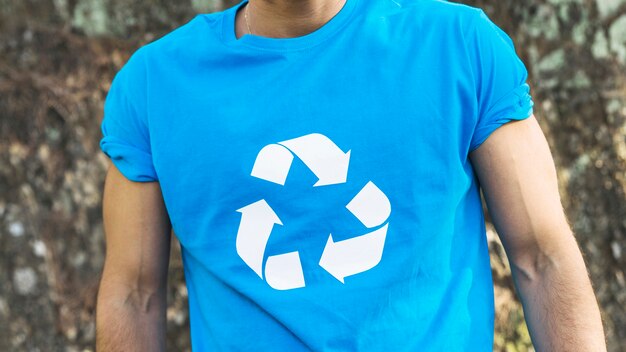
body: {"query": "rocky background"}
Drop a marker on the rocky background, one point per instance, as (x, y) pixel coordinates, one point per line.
(58, 57)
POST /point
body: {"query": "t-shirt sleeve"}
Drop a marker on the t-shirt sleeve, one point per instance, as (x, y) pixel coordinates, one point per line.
(503, 94)
(126, 140)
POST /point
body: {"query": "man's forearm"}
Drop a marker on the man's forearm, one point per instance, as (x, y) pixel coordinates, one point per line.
(130, 320)
(559, 304)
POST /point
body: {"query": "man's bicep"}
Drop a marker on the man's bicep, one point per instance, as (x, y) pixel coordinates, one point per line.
(517, 174)
(137, 230)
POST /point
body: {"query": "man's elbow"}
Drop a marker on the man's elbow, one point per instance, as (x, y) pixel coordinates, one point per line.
(140, 300)
(140, 295)
(546, 252)
(129, 317)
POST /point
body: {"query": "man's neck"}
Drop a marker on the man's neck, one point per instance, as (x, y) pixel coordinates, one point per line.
(285, 18)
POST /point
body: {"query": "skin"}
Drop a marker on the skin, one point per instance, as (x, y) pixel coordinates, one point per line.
(285, 18)
(518, 178)
(131, 305)
(517, 175)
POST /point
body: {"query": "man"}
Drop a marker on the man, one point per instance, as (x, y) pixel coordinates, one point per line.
(320, 163)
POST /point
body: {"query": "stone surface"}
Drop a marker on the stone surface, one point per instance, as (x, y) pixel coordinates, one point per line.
(24, 281)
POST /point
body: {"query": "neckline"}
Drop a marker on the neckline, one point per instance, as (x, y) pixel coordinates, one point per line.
(283, 44)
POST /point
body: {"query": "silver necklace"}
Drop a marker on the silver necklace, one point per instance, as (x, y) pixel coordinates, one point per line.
(245, 15)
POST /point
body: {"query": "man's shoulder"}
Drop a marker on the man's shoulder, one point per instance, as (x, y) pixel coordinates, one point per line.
(443, 5)
(178, 45)
(439, 12)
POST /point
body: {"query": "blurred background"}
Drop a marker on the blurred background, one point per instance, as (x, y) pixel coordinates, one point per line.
(58, 57)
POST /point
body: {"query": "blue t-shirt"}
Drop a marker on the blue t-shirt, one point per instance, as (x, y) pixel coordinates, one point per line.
(320, 186)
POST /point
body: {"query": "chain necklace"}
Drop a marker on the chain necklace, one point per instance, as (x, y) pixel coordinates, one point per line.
(248, 22)
(246, 16)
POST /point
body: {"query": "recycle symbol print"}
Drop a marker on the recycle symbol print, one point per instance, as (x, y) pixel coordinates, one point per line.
(342, 258)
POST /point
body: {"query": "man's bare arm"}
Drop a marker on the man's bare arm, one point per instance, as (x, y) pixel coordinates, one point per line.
(131, 306)
(519, 181)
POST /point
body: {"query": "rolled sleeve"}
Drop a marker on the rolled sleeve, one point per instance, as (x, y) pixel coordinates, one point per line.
(126, 138)
(503, 94)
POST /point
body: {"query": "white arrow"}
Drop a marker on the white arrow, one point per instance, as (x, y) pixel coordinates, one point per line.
(322, 156)
(272, 164)
(284, 271)
(257, 221)
(354, 255)
(371, 206)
